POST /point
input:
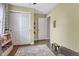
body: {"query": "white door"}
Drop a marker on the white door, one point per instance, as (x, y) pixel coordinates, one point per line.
(20, 25)
(42, 28)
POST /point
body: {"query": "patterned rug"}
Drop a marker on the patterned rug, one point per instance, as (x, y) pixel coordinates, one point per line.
(36, 50)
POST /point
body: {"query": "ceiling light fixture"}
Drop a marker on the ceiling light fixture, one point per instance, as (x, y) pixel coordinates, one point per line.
(34, 3)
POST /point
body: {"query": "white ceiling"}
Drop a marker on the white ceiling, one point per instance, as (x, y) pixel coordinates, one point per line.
(39, 7)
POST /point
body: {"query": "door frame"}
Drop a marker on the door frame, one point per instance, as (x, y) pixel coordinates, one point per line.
(46, 29)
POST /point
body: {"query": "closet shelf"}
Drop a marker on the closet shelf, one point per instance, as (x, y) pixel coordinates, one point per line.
(6, 34)
(6, 42)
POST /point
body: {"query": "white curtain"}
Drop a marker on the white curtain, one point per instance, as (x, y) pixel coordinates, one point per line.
(20, 24)
(2, 18)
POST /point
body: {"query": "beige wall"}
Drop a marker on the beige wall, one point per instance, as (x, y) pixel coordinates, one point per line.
(23, 9)
(66, 32)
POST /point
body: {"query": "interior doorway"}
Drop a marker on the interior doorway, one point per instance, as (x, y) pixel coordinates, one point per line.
(44, 28)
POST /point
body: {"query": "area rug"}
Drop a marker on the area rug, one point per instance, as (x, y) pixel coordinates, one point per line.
(36, 50)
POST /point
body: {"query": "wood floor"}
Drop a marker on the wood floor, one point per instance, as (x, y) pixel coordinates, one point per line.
(37, 42)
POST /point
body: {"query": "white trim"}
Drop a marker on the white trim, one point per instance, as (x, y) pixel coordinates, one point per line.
(19, 11)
